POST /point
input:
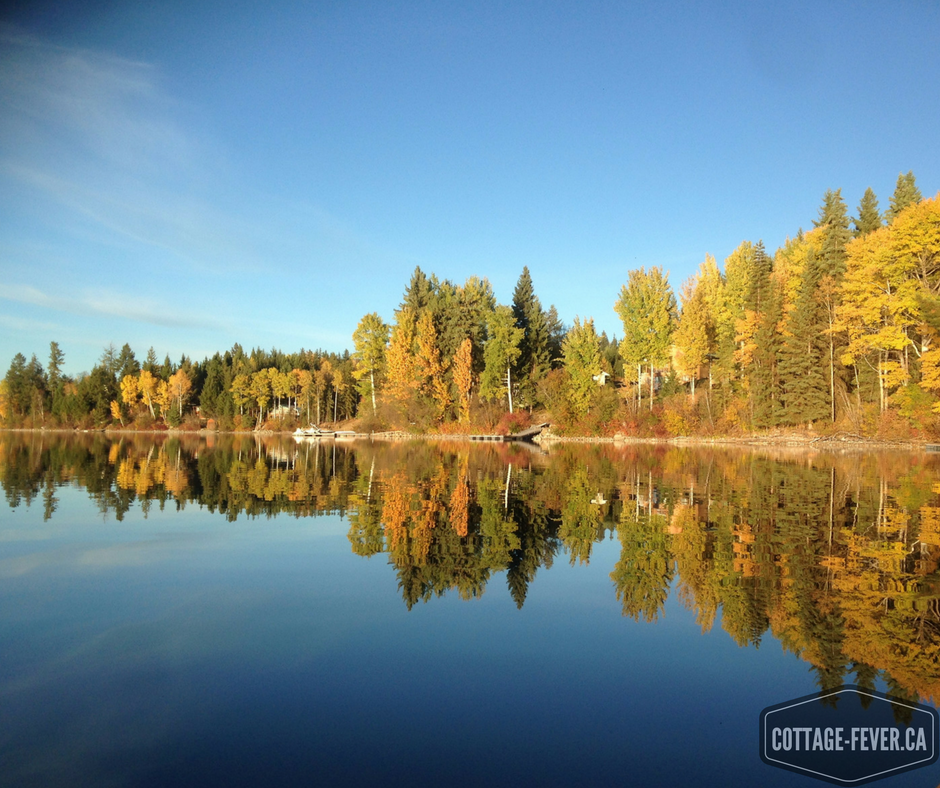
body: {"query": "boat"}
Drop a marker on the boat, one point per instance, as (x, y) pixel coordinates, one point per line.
(312, 431)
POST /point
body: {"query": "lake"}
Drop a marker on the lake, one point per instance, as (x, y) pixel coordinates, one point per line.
(261, 611)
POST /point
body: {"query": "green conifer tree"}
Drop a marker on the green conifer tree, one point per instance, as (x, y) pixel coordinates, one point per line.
(905, 193)
(834, 219)
(804, 359)
(534, 362)
(869, 219)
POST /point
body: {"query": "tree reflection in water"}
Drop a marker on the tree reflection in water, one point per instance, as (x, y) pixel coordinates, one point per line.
(836, 556)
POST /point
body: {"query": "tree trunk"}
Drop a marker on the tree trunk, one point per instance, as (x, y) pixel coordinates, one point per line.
(509, 387)
(651, 387)
(832, 376)
(372, 381)
(639, 386)
(881, 385)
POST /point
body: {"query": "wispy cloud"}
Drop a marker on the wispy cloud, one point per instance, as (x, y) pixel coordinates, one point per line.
(109, 303)
(99, 136)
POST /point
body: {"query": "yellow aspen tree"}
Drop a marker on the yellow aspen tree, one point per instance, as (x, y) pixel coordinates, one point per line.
(164, 398)
(281, 385)
(147, 385)
(339, 386)
(879, 306)
(694, 338)
(296, 386)
(180, 387)
(260, 388)
(116, 412)
(402, 366)
(241, 392)
(463, 378)
(429, 367)
(130, 392)
(305, 379)
(370, 339)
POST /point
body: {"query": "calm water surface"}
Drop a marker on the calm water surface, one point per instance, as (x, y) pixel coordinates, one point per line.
(266, 612)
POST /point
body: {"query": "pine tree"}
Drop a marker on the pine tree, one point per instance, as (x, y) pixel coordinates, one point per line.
(126, 362)
(834, 219)
(905, 193)
(418, 293)
(869, 219)
(834, 222)
(805, 353)
(534, 361)
(556, 331)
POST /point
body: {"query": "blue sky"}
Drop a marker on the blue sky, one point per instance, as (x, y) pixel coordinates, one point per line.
(188, 176)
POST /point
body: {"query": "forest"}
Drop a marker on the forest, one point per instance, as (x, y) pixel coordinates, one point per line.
(835, 332)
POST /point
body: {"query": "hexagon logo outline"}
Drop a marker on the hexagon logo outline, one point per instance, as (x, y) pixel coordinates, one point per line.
(848, 760)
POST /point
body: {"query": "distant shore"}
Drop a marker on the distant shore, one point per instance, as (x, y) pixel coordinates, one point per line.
(837, 441)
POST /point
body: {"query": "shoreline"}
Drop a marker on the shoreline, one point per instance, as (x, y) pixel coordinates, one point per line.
(838, 442)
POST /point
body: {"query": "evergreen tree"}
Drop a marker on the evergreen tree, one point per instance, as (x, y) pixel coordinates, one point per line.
(869, 219)
(834, 219)
(213, 388)
(126, 362)
(17, 387)
(905, 193)
(418, 293)
(534, 361)
(56, 380)
(556, 335)
(805, 353)
(758, 279)
(151, 363)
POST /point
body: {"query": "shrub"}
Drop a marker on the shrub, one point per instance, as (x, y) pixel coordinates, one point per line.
(512, 423)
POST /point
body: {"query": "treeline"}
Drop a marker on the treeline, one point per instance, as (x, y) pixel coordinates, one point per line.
(235, 388)
(837, 330)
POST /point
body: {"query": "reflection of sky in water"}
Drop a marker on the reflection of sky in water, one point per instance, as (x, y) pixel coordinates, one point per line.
(184, 649)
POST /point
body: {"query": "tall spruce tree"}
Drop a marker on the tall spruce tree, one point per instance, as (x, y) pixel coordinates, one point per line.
(556, 336)
(419, 292)
(834, 221)
(804, 360)
(869, 219)
(534, 360)
(905, 193)
(763, 375)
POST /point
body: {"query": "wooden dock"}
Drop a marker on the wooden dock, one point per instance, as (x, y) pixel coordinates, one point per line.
(525, 435)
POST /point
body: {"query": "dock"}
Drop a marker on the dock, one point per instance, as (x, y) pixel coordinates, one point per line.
(525, 435)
